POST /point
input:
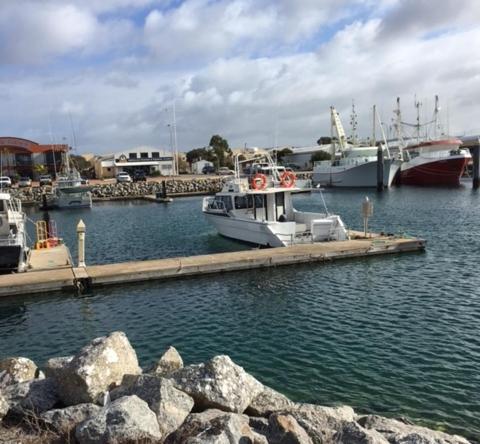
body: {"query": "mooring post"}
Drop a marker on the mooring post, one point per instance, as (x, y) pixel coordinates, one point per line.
(380, 168)
(164, 189)
(81, 243)
(476, 165)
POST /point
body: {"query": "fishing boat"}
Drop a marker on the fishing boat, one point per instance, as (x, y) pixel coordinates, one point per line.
(260, 211)
(353, 165)
(13, 243)
(69, 192)
(435, 161)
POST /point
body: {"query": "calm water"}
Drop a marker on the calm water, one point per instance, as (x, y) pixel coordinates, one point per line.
(397, 335)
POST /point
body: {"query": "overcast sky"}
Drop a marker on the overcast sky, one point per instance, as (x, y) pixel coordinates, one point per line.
(253, 71)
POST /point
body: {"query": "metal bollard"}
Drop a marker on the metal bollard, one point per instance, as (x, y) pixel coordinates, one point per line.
(81, 243)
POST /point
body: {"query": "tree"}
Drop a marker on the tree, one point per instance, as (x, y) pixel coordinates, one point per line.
(282, 153)
(320, 155)
(324, 140)
(40, 169)
(221, 150)
(198, 154)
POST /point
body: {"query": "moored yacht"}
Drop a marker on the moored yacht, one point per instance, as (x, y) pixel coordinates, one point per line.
(260, 211)
(69, 192)
(13, 243)
(353, 165)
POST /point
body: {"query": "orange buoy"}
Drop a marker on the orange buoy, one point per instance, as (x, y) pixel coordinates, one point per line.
(259, 181)
(287, 179)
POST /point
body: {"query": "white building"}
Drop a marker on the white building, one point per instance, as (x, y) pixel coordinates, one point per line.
(197, 167)
(152, 161)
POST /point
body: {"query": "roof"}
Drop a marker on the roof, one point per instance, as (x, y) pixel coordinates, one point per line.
(19, 145)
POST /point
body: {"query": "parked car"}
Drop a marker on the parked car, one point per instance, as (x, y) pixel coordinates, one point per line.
(224, 171)
(24, 182)
(5, 182)
(123, 177)
(45, 179)
(208, 169)
(139, 176)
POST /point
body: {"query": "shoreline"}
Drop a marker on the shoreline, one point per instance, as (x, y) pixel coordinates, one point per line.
(167, 402)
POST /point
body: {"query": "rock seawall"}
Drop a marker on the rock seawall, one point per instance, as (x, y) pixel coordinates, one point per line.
(105, 191)
(101, 395)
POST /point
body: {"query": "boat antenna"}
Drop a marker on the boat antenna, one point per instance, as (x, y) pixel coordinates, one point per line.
(353, 124)
(324, 203)
(374, 135)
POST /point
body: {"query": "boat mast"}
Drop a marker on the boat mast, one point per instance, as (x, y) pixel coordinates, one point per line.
(397, 124)
(353, 124)
(435, 117)
(417, 105)
(374, 133)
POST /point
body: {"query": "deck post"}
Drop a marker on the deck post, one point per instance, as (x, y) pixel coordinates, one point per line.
(380, 168)
(164, 189)
(476, 165)
(81, 243)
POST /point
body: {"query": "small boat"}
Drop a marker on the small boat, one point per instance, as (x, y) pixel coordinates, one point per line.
(435, 161)
(13, 244)
(260, 211)
(353, 165)
(69, 192)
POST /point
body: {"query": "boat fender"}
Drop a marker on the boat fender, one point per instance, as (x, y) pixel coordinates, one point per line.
(287, 179)
(259, 181)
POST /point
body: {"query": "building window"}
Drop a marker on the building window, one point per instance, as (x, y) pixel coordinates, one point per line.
(132, 155)
(155, 154)
(144, 155)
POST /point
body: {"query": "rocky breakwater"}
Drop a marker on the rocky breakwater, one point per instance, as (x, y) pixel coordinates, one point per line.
(101, 395)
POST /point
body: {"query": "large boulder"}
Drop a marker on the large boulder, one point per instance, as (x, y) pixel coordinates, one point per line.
(15, 370)
(354, 433)
(55, 367)
(213, 427)
(284, 429)
(4, 406)
(268, 401)
(170, 405)
(127, 419)
(96, 369)
(168, 363)
(218, 383)
(321, 423)
(31, 397)
(397, 432)
(65, 420)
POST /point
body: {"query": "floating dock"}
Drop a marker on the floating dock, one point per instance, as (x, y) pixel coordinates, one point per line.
(48, 276)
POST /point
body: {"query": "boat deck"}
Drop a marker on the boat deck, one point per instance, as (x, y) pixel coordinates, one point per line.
(73, 279)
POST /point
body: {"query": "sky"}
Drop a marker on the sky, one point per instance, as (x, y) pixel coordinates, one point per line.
(106, 75)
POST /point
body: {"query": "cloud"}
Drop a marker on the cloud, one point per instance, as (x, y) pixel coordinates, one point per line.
(252, 72)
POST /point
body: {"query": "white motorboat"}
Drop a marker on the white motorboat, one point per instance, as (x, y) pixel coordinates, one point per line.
(260, 211)
(352, 165)
(69, 192)
(13, 243)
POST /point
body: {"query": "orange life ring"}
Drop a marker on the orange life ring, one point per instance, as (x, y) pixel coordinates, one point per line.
(259, 181)
(287, 179)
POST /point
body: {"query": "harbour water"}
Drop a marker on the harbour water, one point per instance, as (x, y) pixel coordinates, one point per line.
(398, 336)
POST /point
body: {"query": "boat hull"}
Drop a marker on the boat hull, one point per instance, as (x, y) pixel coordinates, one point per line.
(11, 258)
(442, 172)
(251, 231)
(363, 175)
(70, 199)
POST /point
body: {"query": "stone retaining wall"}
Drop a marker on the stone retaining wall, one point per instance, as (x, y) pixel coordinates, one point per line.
(101, 395)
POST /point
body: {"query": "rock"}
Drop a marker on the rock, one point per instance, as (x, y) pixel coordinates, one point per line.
(397, 432)
(64, 420)
(284, 429)
(4, 406)
(170, 405)
(126, 419)
(321, 423)
(213, 427)
(266, 402)
(96, 369)
(54, 367)
(353, 433)
(15, 370)
(219, 383)
(168, 363)
(36, 396)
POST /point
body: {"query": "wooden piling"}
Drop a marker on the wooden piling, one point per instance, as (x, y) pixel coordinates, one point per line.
(476, 165)
(380, 168)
